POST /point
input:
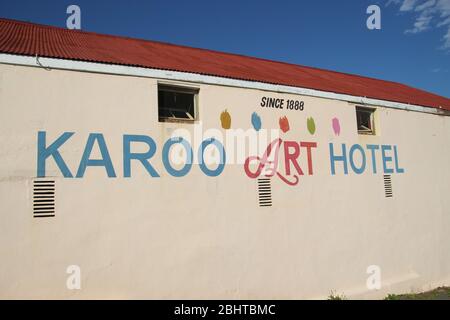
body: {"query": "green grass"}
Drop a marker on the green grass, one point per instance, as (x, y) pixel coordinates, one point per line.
(334, 296)
(441, 293)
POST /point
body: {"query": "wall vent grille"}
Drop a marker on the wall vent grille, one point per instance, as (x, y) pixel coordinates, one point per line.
(388, 186)
(43, 198)
(264, 192)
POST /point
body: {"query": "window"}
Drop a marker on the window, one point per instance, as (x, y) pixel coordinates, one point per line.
(177, 103)
(365, 120)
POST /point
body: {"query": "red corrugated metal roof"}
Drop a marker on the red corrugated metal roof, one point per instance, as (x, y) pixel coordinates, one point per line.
(25, 38)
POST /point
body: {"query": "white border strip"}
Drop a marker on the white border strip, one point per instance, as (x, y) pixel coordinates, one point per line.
(198, 78)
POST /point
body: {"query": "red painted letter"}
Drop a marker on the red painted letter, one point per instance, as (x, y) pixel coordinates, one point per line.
(291, 157)
(308, 146)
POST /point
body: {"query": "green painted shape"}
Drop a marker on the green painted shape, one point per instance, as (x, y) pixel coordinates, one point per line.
(311, 125)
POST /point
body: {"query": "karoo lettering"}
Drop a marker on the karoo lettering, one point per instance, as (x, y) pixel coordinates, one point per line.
(45, 152)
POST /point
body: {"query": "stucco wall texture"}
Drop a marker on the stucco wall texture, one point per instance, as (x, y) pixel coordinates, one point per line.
(201, 237)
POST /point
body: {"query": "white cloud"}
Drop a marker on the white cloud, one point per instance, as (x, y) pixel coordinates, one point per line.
(426, 5)
(443, 22)
(408, 5)
(446, 40)
(422, 23)
(439, 70)
(393, 1)
(428, 14)
(443, 6)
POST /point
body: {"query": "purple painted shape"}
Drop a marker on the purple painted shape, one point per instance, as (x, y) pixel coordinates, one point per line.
(336, 126)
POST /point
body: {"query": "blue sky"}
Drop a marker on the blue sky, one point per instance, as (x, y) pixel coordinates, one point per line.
(412, 47)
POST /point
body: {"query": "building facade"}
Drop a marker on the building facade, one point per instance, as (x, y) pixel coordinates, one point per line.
(158, 183)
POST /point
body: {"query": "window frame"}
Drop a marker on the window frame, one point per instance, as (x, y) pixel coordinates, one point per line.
(177, 88)
(371, 111)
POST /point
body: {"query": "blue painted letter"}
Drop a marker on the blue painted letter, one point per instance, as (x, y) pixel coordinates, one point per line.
(189, 158)
(142, 157)
(397, 168)
(45, 152)
(205, 169)
(386, 159)
(342, 158)
(105, 161)
(372, 148)
(363, 161)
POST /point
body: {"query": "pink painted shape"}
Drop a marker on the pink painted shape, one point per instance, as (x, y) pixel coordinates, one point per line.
(336, 126)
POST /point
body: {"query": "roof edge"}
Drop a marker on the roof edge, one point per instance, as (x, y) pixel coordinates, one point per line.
(356, 75)
(114, 69)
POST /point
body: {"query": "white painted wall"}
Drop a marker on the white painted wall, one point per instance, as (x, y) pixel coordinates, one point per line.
(205, 237)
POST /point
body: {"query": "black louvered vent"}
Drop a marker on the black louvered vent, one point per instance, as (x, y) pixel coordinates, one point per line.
(264, 192)
(43, 198)
(388, 186)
